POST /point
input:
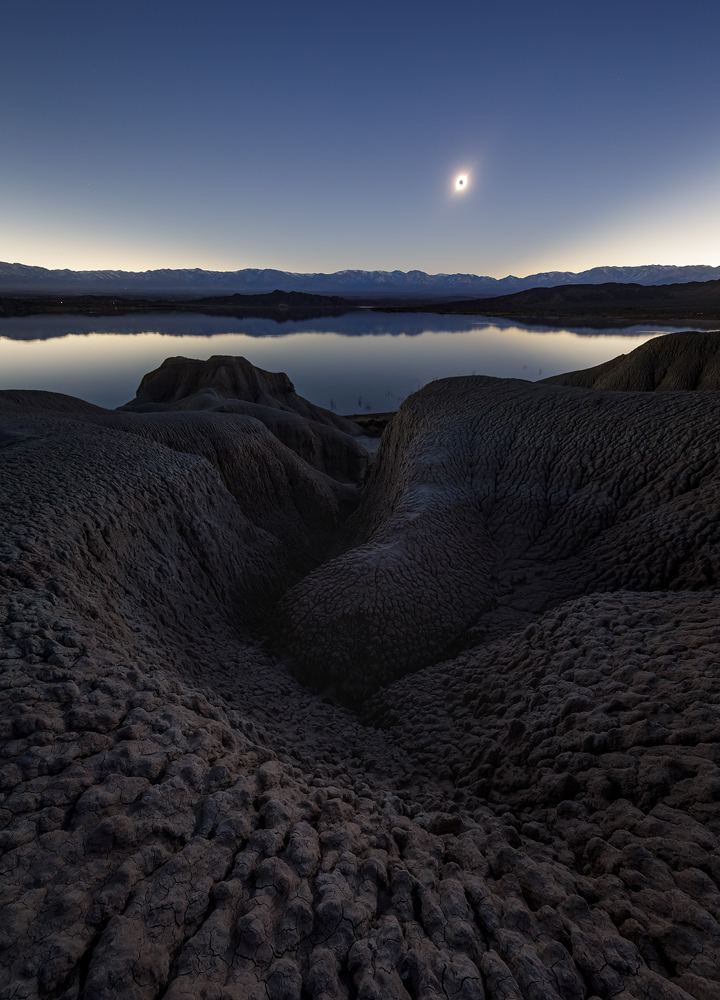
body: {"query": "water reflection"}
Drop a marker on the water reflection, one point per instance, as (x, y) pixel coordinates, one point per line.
(361, 323)
(360, 361)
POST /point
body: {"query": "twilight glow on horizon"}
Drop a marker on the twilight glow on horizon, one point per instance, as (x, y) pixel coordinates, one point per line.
(324, 136)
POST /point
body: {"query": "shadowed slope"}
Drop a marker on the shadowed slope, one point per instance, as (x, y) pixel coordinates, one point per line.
(491, 500)
(688, 360)
(40, 400)
(271, 486)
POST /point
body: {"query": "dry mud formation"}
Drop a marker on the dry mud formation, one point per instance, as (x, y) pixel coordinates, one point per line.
(478, 757)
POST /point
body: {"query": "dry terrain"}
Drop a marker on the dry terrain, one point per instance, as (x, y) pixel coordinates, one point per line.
(283, 720)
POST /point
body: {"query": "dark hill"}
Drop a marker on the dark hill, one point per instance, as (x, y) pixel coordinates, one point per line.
(612, 300)
(285, 305)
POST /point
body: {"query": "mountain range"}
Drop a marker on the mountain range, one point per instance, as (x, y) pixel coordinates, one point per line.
(23, 278)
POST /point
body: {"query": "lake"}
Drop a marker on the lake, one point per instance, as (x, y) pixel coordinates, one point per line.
(362, 361)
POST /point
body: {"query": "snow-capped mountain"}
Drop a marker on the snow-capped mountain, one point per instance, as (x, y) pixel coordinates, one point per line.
(25, 279)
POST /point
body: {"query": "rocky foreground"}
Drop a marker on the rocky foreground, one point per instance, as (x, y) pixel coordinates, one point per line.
(283, 724)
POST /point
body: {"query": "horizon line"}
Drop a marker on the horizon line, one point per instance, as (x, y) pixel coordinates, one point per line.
(358, 270)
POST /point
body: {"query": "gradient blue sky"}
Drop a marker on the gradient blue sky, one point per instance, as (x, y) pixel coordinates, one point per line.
(326, 135)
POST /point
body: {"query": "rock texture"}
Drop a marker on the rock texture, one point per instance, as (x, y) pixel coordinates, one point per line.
(688, 360)
(534, 818)
(594, 736)
(225, 384)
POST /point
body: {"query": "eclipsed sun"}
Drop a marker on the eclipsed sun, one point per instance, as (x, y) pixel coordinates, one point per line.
(461, 182)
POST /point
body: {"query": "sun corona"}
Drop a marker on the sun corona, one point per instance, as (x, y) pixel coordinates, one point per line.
(461, 182)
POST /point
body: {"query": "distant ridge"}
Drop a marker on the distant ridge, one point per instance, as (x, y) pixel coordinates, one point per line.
(23, 278)
(626, 301)
(280, 305)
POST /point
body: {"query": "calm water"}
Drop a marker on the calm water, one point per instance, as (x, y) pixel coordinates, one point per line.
(361, 361)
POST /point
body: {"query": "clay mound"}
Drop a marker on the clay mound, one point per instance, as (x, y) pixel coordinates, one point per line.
(494, 499)
(225, 384)
(688, 360)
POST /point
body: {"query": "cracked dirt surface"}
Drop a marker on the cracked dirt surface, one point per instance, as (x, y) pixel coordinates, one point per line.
(536, 816)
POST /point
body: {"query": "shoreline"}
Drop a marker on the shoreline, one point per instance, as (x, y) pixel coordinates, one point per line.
(297, 306)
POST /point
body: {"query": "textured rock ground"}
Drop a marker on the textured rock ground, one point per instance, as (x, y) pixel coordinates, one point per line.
(535, 817)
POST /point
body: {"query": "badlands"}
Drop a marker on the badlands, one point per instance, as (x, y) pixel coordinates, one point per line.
(290, 717)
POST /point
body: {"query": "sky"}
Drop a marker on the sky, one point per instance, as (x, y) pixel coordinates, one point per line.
(319, 136)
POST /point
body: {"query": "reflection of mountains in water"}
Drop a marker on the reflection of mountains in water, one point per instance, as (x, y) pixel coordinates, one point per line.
(353, 324)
